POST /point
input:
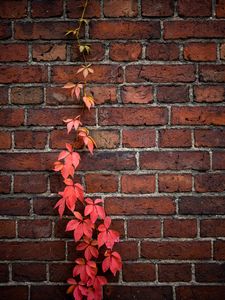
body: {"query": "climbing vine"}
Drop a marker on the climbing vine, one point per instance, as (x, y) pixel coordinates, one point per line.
(90, 225)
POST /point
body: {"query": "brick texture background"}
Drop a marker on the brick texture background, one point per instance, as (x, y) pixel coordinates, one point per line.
(159, 125)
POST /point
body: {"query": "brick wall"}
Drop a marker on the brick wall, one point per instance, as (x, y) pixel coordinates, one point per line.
(159, 86)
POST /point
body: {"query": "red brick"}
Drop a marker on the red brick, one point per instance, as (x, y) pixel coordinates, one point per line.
(58, 272)
(160, 51)
(50, 116)
(222, 50)
(194, 29)
(174, 138)
(3, 95)
(200, 292)
(209, 183)
(218, 160)
(5, 30)
(101, 183)
(219, 250)
(30, 139)
(124, 292)
(173, 94)
(14, 206)
(138, 184)
(209, 93)
(116, 8)
(11, 118)
(43, 9)
(44, 206)
(160, 8)
(27, 95)
(176, 250)
(29, 272)
(5, 140)
(138, 272)
(33, 250)
(139, 138)
(118, 224)
(13, 52)
(22, 74)
(129, 30)
(180, 228)
(220, 9)
(128, 250)
(198, 115)
(209, 138)
(103, 94)
(74, 9)
(200, 51)
(15, 10)
(176, 160)
(171, 183)
(102, 74)
(43, 30)
(49, 52)
(4, 273)
(160, 73)
(34, 228)
(5, 184)
(59, 137)
(139, 206)
(203, 205)
(212, 73)
(133, 116)
(106, 139)
(201, 8)
(210, 272)
(7, 229)
(9, 292)
(212, 228)
(143, 228)
(125, 52)
(174, 272)
(33, 183)
(56, 182)
(46, 292)
(97, 52)
(139, 94)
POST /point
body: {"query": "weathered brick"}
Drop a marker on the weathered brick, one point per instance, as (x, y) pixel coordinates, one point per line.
(11, 117)
(139, 94)
(200, 51)
(43, 9)
(203, 205)
(138, 184)
(128, 250)
(178, 250)
(210, 272)
(133, 116)
(198, 115)
(139, 138)
(7, 229)
(174, 160)
(174, 272)
(13, 52)
(3, 95)
(35, 183)
(46, 292)
(160, 51)
(160, 73)
(170, 138)
(125, 51)
(218, 162)
(9, 292)
(138, 272)
(143, 228)
(220, 9)
(5, 140)
(201, 8)
(49, 52)
(200, 292)
(58, 272)
(222, 51)
(34, 228)
(106, 139)
(212, 228)
(4, 273)
(97, 52)
(30, 139)
(102, 74)
(27, 95)
(5, 184)
(44, 206)
(209, 183)
(194, 29)
(207, 93)
(219, 253)
(173, 94)
(160, 8)
(140, 206)
(28, 272)
(171, 183)
(210, 138)
(116, 8)
(15, 10)
(101, 183)
(212, 73)
(14, 206)
(22, 74)
(74, 9)
(180, 228)
(5, 30)
(129, 30)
